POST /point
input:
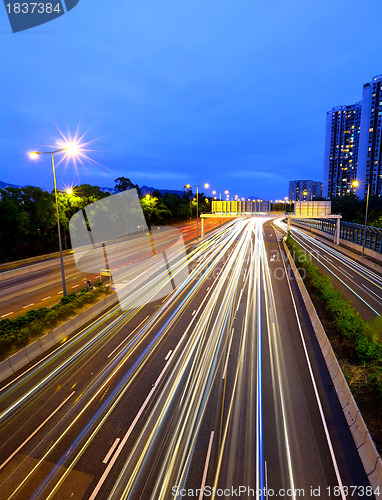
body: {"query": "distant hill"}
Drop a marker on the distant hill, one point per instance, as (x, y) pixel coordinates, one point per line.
(144, 189)
(4, 185)
(148, 190)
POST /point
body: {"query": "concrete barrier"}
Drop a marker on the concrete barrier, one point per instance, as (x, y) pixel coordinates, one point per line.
(366, 448)
(369, 455)
(59, 333)
(33, 268)
(5, 369)
(47, 342)
(376, 475)
(33, 350)
(18, 360)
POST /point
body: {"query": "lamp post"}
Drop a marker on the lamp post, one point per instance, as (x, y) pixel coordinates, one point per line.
(34, 154)
(188, 186)
(355, 184)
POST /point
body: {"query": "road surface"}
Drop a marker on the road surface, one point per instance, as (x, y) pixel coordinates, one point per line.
(220, 385)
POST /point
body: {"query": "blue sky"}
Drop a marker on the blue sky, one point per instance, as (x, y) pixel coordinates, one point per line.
(226, 92)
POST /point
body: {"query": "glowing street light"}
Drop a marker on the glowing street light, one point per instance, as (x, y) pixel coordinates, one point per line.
(356, 184)
(71, 151)
(188, 186)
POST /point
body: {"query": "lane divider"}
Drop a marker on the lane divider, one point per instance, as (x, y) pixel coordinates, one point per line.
(206, 466)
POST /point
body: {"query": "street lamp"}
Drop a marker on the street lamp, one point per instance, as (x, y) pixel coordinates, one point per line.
(34, 154)
(356, 184)
(188, 186)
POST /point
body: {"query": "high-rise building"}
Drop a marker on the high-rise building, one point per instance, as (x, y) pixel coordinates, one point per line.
(370, 147)
(312, 190)
(353, 146)
(341, 149)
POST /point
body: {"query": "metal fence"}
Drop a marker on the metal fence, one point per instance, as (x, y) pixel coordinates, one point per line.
(349, 232)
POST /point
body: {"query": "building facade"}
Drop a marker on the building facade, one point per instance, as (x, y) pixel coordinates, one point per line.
(369, 156)
(312, 190)
(341, 150)
(353, 145)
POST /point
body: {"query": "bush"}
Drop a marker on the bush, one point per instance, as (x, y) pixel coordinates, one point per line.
(18, 330)
(22, 336)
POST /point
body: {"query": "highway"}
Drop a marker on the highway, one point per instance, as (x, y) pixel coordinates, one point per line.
(218, 385)
(359, 284)
(43, 288)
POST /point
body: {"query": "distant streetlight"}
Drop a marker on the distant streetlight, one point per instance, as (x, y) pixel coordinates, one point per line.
(356, 184)
(188, 186)
(34, 154)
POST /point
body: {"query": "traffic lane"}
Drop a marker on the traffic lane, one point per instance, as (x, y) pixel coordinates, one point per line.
(357, 283)
(148, 464)
(353, 283)
(43, 288)
(309, 444)
(216, 428)
(239, 464)
(42, 291)
(78, 342)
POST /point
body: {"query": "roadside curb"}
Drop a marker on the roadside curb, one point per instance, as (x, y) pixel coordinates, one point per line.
(367, 451)
(23, 357)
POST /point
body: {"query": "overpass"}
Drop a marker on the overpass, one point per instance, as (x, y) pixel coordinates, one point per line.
(303, 210)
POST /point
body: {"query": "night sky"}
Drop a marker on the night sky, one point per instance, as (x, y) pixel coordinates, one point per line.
(229, 92)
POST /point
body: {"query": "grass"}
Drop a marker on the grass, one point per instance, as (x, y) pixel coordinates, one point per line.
(356, 342)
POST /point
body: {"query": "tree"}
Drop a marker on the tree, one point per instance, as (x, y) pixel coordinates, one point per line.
(123, 184)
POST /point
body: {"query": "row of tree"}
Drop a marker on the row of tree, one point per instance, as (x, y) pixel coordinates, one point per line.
(28, 222)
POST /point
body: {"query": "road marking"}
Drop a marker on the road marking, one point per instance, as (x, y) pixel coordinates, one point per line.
(34, 432)
(208, 288)
(238, 304)
(168, 355)
(206, 467)
(29, 305)
(60, 292)
(46, 298)
(119, 345)
(343, 271)
(229, 349)
(75, 286)
(370, 290)
(5, 315)
(110, 452)
(193, 313)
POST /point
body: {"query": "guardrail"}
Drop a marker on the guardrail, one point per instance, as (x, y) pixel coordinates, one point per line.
(363, 441)
(32, 260)
(349, 231)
